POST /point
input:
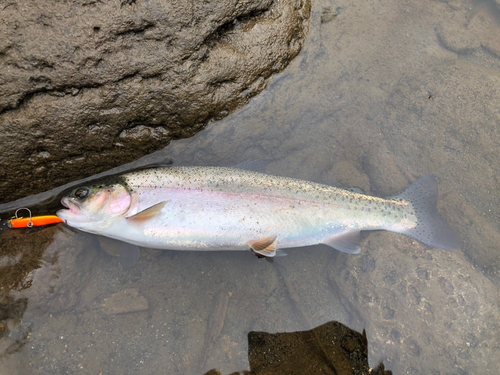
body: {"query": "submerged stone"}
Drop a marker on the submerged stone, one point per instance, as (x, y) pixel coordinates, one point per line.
(125, 301)
(331, 348)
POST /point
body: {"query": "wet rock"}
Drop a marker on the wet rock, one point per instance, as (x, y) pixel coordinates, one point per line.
(125, 301)
(89, 85)
(432, 303)
(331, 348)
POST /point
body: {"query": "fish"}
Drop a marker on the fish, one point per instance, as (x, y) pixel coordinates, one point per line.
(220, 208)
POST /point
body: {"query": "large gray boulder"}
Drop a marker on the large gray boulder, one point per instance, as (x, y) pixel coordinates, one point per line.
(87, 85)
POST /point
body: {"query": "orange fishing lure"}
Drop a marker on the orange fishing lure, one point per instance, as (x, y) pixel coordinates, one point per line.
(35, 221)
(32, 221)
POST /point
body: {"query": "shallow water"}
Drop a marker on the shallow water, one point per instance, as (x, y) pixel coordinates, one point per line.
(381, 94)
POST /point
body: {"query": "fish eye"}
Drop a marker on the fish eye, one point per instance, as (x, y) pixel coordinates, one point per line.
(81, 192)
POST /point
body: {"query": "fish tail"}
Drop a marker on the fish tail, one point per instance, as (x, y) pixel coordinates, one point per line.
(430, 228)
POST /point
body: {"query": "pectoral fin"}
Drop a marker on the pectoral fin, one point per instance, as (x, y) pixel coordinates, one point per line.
(147, 214)
(346, 242)
(264, 246)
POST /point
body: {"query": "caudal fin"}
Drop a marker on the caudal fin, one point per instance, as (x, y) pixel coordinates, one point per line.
(431, 229)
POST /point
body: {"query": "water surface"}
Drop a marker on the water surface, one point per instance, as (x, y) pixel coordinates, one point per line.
(382, 93)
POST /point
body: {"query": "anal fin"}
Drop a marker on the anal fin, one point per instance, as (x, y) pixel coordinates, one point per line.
(264, 246)
(345, 242)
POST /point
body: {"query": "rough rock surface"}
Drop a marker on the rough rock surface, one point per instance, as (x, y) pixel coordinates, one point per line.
(87, 85)
(422, 304)
(331, 348)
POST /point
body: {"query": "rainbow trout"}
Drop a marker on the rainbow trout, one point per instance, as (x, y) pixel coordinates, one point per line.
(210, 208)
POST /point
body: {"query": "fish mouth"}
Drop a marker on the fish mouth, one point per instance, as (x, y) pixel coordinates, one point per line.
(73, 207)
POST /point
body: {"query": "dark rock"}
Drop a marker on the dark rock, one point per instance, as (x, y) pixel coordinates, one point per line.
(331, 348)
(88, 85)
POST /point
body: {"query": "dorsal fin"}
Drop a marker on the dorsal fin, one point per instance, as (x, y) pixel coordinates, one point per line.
(356, 190)
(264, 246)
(147, 214)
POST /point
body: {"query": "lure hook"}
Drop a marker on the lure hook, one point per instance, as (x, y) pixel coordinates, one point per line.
(30, 224)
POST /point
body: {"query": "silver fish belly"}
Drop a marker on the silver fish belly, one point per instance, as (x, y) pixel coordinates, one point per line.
(210, 208)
